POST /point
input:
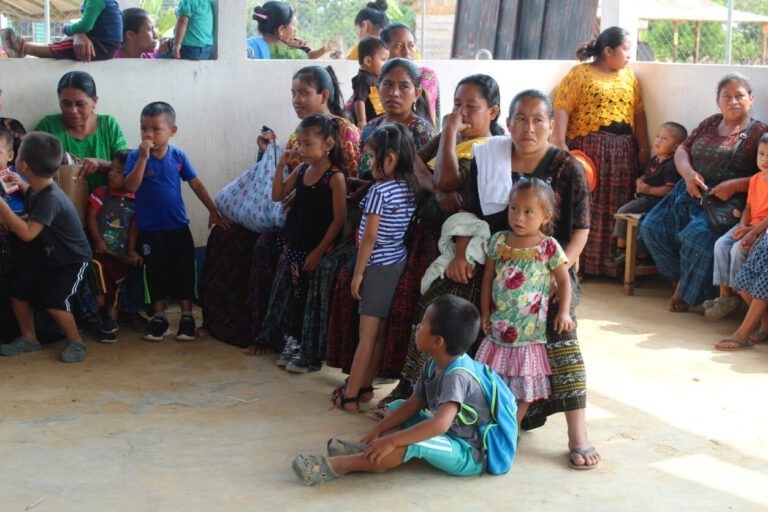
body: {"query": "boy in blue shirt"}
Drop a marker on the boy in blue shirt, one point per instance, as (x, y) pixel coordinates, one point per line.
(155, 172)
(51, 278)
(446, 332)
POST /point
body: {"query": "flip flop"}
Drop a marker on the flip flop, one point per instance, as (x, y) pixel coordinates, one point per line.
(739, 345)
(583, 453)
(758, 337)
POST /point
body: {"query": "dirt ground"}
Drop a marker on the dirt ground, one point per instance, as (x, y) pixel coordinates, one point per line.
(200, 427)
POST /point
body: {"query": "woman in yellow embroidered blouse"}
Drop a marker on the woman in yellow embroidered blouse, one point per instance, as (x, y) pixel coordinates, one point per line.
(599, 110)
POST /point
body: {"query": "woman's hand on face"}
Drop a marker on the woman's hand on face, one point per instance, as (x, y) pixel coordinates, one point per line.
(83, 48)
(459, 271)
(694, 183)
(453, 123)
(88, 166)
(724, 190)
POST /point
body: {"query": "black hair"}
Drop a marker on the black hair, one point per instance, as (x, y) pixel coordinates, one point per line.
(271, 16)
(157, 108)
(133, 19)
(396, 138)
(422, 104)
(545, 193)
(42, 153)
(373, 12)
(77, 80)
(456, 320)
(534, 94)
(489, 89)
(368, 47)
(121, 155)
(386, 34)
(763, 139)
(737, 77)
(7, 140)
(677, 129)
(17, 130)
(612, 37)
(324, 79)
(326, 127)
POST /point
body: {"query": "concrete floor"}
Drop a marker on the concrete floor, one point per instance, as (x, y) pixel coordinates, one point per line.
(200, 427)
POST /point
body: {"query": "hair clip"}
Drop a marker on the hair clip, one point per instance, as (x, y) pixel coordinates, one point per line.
(261, 16)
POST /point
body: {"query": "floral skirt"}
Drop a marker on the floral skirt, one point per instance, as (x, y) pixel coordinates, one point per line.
(524, 369)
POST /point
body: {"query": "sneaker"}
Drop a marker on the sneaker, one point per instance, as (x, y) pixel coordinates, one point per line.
(313, 469)
(290, 350)
(157, 329)
(19, 346)
(708, 303)
(74, 352)
(186, 330)
(722, 307)
(107, 324)
(298, 364)
(620, 257)
(107, 336)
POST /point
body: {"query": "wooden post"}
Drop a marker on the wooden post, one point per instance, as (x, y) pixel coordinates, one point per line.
(675, 41)
(698, 40)
(765, 43)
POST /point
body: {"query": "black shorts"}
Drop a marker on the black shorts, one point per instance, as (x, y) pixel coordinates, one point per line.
(48, 286)
(103, 49)
(170, 269)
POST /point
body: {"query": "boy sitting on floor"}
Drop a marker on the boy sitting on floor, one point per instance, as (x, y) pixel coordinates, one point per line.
(446, 332)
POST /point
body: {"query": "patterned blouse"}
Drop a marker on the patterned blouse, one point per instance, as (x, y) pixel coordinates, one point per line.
(594, 99)
(421, 131)
(350, 147)
(709, 150)
(281, 51)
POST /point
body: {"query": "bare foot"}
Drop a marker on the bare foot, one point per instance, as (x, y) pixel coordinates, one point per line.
(257, 350)
(202, 332)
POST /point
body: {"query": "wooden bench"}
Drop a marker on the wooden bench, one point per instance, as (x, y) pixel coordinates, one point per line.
(630, 265)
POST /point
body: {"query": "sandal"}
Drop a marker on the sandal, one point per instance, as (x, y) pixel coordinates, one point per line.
(739, 345)
(758, 337)
(677, 306)
(583, 453)
(12, 42)
(338, 447)
(313, 469)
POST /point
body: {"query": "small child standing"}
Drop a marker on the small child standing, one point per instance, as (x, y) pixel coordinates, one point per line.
(732, 249)
(387, 211)
(312, 226)
(111, 223)
(154, 172)
(656, 182)
(98, 33)
(366, 103)
(514, 294)
(446, 332)
(52, 278)
(193, 37)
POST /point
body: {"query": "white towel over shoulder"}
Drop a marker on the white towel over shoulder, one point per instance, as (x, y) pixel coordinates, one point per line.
(494, 173)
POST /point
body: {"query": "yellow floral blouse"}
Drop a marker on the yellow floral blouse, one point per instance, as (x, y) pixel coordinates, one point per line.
(594, 99)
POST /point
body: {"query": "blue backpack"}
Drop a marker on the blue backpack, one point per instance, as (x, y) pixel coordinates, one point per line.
(500, 434)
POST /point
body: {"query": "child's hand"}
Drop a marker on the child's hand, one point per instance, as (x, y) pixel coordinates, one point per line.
(145, 147)
(748, 240)
(329, 46)
(357, 281)
(459, 270)
(378, 449)
(312, 261)
(486, 323)
(83, 47)
(642, 186)
(453, 122)
(373, 435)
(176, 50)
(740, 231)
(134, 257)
(165, 46)
(216, 219)
(99, 247)
(563, 322)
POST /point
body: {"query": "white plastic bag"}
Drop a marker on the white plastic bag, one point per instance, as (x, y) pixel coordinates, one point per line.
(248, 199)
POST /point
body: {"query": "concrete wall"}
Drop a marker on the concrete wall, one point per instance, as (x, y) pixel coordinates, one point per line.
(222, 104)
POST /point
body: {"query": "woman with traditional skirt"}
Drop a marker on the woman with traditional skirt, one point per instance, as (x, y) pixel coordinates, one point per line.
(240, 265)
(400, 94)
(599, 110)
(492, 171)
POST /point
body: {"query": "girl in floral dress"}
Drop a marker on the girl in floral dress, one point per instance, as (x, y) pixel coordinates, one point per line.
(515, 294)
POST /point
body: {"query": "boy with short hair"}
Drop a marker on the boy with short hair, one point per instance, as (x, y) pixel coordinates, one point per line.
(366, 104)
(155, 172)
(448, 329)
(658, 179)
(111, 223)
(52, 278)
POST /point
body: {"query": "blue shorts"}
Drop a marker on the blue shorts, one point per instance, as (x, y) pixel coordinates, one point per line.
(450, 454)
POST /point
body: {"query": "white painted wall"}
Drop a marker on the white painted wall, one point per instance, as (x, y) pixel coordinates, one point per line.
(222, 104)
